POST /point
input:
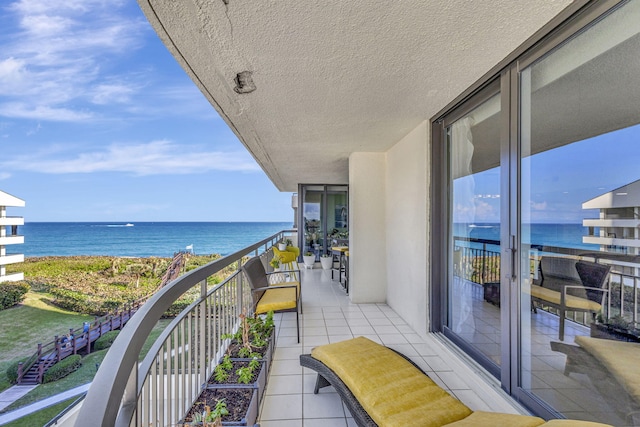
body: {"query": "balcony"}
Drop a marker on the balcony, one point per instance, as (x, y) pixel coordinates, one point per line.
(11, 259)
(330, 317)
(11, 240)
(11, 220)
(126, 392)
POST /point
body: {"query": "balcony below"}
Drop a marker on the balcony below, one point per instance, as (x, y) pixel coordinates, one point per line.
(330, 317)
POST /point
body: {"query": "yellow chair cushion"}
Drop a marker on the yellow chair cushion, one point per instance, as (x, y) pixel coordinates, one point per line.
(573, 423)
(619, 357)
(571, 301)
(494, 419)
(294, 249)
(390, 389)
(285, 256)
(287, 284)
(277, 299)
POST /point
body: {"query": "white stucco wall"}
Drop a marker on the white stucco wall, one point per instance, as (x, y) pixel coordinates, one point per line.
(406, 228)
(367, 212)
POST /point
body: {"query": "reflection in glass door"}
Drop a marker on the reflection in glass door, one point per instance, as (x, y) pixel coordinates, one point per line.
(579, 224)
(473, 290)
(324, 218)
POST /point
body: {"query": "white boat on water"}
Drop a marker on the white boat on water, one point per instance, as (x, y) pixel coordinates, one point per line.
(128, 224)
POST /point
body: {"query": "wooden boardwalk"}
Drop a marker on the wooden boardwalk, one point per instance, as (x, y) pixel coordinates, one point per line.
(80, 340)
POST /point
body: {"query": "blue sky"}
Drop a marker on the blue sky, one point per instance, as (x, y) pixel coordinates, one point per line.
(99, 123)
(558, 181)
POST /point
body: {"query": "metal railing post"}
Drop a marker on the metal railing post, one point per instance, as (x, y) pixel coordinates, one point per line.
(203, 332)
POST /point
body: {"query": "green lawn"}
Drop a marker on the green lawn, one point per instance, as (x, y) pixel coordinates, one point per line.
(42, 417)
(32, 322)
(82, 376)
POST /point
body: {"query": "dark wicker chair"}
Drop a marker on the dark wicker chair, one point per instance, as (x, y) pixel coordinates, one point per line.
(262, 289)
(568, 291)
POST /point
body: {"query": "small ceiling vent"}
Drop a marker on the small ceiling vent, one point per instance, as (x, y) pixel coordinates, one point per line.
(244, 82)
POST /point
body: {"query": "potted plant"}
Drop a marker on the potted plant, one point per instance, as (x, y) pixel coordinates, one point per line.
(208, 417)
(288, 242)
(282, 246)
(309, 259)
(327, 261)
(240, 408)
(616, 328)
(275, 263)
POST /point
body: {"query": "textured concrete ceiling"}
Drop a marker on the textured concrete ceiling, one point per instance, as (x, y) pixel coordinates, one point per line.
(334, 77)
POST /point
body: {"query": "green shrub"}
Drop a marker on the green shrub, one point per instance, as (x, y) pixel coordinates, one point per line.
(62, 368)
(106, 340)
(12, 372)
(12, 293)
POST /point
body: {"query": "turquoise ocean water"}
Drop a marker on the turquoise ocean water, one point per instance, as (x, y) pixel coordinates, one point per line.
(560, 235)
(145, 239)
(142, 239)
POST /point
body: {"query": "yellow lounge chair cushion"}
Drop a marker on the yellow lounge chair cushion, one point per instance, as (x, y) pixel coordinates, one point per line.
(573, 423)
(619, 357)
(276, 300)
(390, 389)
(493, 419)
(571, 301)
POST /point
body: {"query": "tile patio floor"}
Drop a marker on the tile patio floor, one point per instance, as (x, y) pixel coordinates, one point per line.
(329, 317)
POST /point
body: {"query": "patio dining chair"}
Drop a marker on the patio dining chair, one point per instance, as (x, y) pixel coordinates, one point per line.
(277, 297)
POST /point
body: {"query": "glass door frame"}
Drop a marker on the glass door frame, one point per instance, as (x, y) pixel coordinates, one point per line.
(324, 190)
(506, 75)
(442, 192)
(587, 16)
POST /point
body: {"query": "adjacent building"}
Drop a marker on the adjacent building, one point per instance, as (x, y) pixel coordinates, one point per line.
(9, 236)
(618, 227)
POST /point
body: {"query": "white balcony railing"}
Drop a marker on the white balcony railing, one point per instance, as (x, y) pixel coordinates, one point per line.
(11, 259)
(162, 387)
(11, 240)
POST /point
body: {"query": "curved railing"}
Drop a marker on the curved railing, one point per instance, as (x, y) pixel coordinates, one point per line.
(159, 390)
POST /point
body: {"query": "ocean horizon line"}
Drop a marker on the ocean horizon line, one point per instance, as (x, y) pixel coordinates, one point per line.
(157, 222)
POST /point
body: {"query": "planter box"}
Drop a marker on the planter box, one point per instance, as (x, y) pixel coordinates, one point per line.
(267, 353)
(599, 330)
(245, 416)
(259, 383)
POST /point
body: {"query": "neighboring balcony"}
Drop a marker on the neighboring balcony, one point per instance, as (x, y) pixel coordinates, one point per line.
(145, 394)
(14, 277)
(11, 259)
(11, 220)
(11, 240)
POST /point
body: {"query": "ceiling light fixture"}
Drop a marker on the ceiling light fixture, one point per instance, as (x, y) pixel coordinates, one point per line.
(244, 82)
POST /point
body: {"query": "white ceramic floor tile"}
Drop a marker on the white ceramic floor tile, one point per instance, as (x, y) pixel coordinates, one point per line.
(321, 405)
(284, 384)
(282, 423)
(282, 407)
(285, 367)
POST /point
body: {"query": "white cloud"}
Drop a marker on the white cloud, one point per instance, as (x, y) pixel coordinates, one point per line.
(61, 54)
(4, 175)
(153, 158)
(42, 112)
(105, 94)
(538, 206)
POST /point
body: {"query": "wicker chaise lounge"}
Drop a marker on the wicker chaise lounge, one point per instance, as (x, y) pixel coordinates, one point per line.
(381, 387)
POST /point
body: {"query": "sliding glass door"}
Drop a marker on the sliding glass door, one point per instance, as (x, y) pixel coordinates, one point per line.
(324, 218)
(473, 241)
(537, 213)
(579, 224)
